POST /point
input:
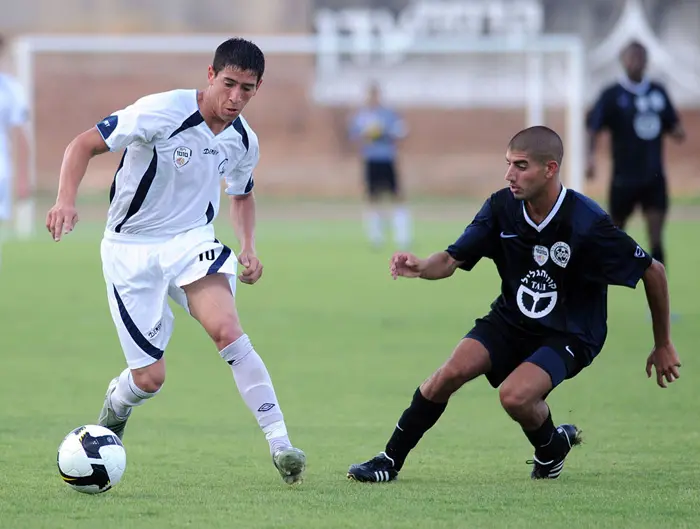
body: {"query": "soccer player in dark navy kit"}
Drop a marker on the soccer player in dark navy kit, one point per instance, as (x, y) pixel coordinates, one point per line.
(638, 113)
(556, 252)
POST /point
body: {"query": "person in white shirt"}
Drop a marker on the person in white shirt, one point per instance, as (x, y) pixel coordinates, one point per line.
(159, 240)
(14, 115)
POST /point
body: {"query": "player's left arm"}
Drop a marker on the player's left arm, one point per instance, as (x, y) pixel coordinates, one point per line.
(597, 119)
(671, 121)
(242, 212)
(398, 128)
(663, 356)
(614, 258)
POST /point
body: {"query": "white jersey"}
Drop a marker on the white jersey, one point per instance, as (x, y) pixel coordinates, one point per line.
(168, 181)
(14, 112)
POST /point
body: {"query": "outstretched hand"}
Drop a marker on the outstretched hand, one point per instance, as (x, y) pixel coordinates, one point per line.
(667, 363)
(405, 264)
(253, 268)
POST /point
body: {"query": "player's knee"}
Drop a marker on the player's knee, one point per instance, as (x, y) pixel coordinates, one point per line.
(227, 333)
(445, 381)
(149, 379)
(514, 399)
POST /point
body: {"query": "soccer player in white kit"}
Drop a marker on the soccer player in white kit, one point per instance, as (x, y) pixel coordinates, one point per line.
(14, 114)
(159, 240)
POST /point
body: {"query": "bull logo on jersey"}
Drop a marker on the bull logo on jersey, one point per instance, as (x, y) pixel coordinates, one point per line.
(540, 254)
(537, 294)
(560, 253)
(182, 156)
(657, 101)
(647, 123)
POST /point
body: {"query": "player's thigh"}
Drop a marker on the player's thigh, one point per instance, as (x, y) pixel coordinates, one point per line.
(560, 357)
(137, 296)
(212, 304)
(654, 202)
(502, 343)
(468, 360)
(373, 181)
(621, 203)
(203, 272)
(393, 185)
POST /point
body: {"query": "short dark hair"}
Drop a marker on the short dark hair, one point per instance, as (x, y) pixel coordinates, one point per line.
(540, 143)
(240, 54)
(635, 45)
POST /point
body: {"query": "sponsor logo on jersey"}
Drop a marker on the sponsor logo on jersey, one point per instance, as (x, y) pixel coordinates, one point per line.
(537, 294)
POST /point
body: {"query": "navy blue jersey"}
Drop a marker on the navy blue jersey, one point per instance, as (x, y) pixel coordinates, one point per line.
(637, 118)
(555, 275)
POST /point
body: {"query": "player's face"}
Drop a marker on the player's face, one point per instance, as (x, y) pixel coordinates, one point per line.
(526, 177)
(230, 91)
(634, 61)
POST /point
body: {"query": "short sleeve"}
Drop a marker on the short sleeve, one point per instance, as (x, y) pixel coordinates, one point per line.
(140, 122)
(355, 125)
(477, 240)
(19, 113)
(669, 115)
(614, 258)
(398, 128)
(599, 116)
(240, 180)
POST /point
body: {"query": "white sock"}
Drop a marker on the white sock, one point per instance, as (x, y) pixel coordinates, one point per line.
(402, 227)
(127, 394)
(373, 224)
(255, 386)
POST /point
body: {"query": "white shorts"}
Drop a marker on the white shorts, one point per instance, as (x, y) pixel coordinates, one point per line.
(141, 273)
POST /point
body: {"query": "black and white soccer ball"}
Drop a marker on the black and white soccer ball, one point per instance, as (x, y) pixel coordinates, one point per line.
(91, 459)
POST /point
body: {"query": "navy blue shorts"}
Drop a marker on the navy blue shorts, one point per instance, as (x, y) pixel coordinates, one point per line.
(562, 356)
(625, 197)
(381, 177)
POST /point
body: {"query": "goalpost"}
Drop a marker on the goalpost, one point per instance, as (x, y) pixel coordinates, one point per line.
(72, 81)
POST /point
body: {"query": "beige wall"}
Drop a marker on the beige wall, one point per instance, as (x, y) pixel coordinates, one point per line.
(209, 16)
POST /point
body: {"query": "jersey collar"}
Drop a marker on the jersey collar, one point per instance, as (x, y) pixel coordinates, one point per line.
(638, 89)
(557, 205)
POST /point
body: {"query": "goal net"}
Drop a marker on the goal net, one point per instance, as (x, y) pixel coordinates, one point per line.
(462, 100)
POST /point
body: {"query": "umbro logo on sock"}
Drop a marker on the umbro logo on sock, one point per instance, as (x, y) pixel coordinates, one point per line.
(266, 407)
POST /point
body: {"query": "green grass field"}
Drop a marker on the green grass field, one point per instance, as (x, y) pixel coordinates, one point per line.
(346, 347)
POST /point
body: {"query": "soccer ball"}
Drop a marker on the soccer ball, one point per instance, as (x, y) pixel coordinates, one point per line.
(91, 459)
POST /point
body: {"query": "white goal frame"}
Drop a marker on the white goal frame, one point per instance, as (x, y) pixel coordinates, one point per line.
(327, 47)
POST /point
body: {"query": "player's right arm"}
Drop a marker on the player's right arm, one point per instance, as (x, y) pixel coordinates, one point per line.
(63, 216)
(141, 122)
(476, 241)
(438, 266)
(596, 120)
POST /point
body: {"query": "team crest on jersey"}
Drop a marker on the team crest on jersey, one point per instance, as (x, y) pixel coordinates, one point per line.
(540, 254)
(657, 101)
(560, 253)
(537, 294)
(182, 156)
